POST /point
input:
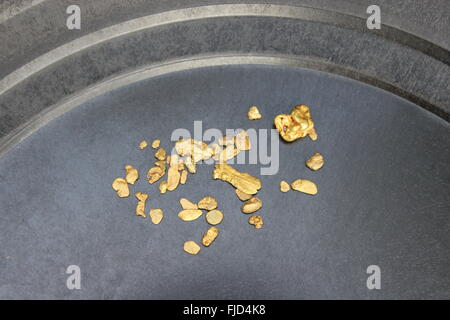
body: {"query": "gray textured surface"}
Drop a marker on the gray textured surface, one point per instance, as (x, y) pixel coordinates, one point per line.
(383, 196)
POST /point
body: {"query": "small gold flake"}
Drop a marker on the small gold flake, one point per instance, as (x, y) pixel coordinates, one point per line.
(304, 186)
(253, 113)
(154, 174)
(131, 175)
(156, 143)
(156, 215)
(214, 217)
(188, 205)
(242, 195)
(242, 181)
(160, 154)
(242, 141)
(189, 214)
(120, 185)
(209, 236)
(251, 205)
(163, 187)
(143, 144)
(284, 186)
(191, 247)
(315, 162)
(140, 207)
(207, 203)
(256, 221)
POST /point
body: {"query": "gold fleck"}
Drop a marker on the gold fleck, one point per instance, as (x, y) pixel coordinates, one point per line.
(315, 162)
(154, 174)
(242, 195)
(160, 154)
(143, 144)
(183, 176)
(140, 207)
(209, 236)
(173, 178)
(242, 181)
(189, 214)
(156, 143)
(257, 221)
(242, 141)
(284, 186)
(120, 185)
(304, 186)
(226, 140)
(251, 205)
(163, 187)
(253, 113)
(214, 217)
(131, 174)
(191, 247)
(188, 205)
(156, 215)
(296, 125)
(207, 203)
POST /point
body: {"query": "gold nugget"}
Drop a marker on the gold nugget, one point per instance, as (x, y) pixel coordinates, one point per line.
(160, 154)
(242, 181)
(189, 214)
(154, 174)
(156, 143)
(207, 203)
(156, 215)
(120, 186)
(315, 162)
(209, 236)
(140, 207)
(188, 205)
(296, 125)
(242, 141)
(253, 113)
(191, 247)
(304, 186)
(161, 164)
(173, 178)
(256, 221)
(284, 186)
(183, 176)
(251, 205)
(228, 153)
(143, 144)
(242, 195)
(197, 150)
(214, 217)
(163, 187)
(131, 174)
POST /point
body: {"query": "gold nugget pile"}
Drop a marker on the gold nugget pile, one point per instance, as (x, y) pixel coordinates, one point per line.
(172, 170)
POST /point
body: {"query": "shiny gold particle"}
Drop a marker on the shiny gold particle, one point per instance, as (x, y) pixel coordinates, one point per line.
(189, 214)
(140, 207)
(120, 186)
(154, 174)
(256, 221)
(242, 141)
(188, 205)
(163, 187)
(207, 203)
(296, 125)
(209, 236)
(183, 176)
(226, 140)
(190, 165)
(228, 153)
(251, 205)
(161, 164)
(143, 144)
(156, 215)
(131, 174)
(284, 186)
(242, 181)
(160, 154)
(304, 186)
(173, 178)
(242, 195)
(253, 113)
(191, 247)
(156, 143)
(315, 162)
(197, 150)
(214, 217)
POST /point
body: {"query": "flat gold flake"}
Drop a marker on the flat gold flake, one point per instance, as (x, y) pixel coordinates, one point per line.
(242, 181)
(191, 247)
(251, 205)
(304, 186)
(156, 215)
(315, 162)
(209, 236)
(214, 217)
(120, 186)
(207, 203)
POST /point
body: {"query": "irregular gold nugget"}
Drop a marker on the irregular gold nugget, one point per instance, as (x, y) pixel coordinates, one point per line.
(242, 181)
(242, 195)
(257, 221)
(296, 125)
(251, 205)
(154, 174)
(163, 187)
(143, 144)
(209, 236)
(183, 176)
(284, 186)
(156, 143)
(131, 174)
(242, 141)
(304, 186)
(120, 186)
(315, 162)
(156, 215)
(173, 178)
(188, 205)
(160, 154)
(214, 217)
(253, 113)
(189, 214)
(207, 203)
(198, 150)
(140, 207)
(191, 247)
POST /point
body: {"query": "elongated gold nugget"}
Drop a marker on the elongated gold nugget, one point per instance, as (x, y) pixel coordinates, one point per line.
(242, 181)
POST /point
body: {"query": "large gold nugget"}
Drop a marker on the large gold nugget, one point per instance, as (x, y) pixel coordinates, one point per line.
(140, 207)
(315, 162)
(304, 186)
(242, 181)
(296, 125)
(209, 236)
(191, 247)
(120, 186)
